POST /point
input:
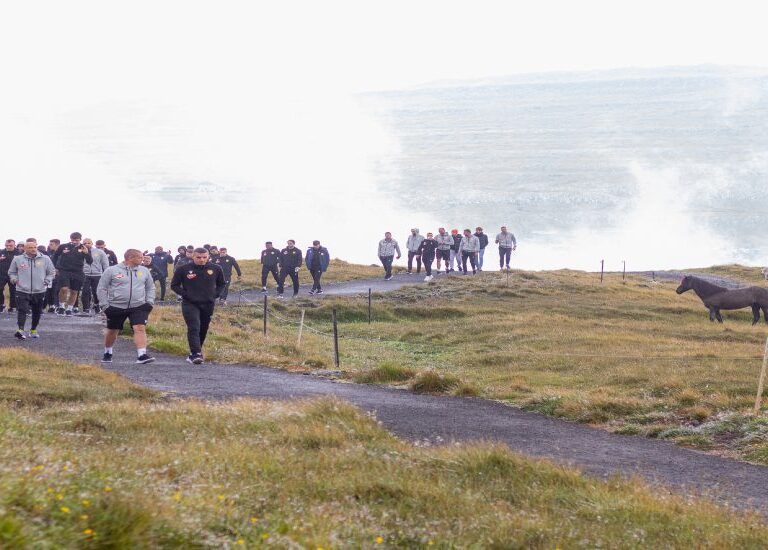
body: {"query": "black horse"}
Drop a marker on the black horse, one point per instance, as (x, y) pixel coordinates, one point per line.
(716, 298)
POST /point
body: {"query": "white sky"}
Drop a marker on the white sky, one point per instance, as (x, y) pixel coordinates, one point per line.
(214, 62)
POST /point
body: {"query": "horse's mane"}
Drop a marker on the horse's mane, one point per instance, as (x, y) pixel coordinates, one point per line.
(705, 288)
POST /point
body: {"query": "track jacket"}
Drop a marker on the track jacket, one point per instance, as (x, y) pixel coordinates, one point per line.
(126, 287)
(31, 275)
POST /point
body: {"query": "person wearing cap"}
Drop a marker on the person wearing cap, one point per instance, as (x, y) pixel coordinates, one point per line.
(455, 256)
(507, 243)
(483, 238)
(428, 249)
(413, 245)
(270, 263)
(469, 249)
(444, 243)
(387, 248)
(317, 259)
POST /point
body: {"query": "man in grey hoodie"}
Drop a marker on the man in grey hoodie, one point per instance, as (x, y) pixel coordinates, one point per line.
(32, 273)
(387, 248)
(128, 292)
(93, 273)
(413, 244)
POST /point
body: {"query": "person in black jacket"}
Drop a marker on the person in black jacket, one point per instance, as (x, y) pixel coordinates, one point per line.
(290, 262)
(199, 284)
(428, 248)
(483, 238)
(270, 262)
(160, 261)
(227, 263)
(111, 256)
(6, 257)
(52, 294)
(69, 260)
(317, 259)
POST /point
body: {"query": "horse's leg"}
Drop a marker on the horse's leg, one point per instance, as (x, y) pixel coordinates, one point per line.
(755, 314)
(712, 314)
(765, 314)
(718, 316)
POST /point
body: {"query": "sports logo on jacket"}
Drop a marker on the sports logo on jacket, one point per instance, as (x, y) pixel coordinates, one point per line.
(209, 271)
(191, 275)
(120, 276)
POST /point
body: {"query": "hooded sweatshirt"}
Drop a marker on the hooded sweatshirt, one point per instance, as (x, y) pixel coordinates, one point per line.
(126, 287)
(31, 274)
(99, 265)
(469, 244)
(444, 242)
(413, 244)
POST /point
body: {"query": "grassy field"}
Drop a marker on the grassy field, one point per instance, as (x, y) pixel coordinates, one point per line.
(631, 356)
(90, 461)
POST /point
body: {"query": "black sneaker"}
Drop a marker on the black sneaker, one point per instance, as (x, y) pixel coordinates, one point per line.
(195, 358)
(51, 309)
(76, 310)
(2, 308)
(68, 313)
(263, 290)
(319, 291)
(312, 291)
(388, 278)
(107, 358)
(59, 310)
(96, 310)
(144, 359)
(19, 334)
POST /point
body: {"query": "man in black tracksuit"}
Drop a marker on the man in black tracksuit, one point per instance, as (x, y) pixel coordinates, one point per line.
(226, 263)
(428, 248)
(6, 257)
(160, 261)
(270, 262)
(290, 262)
(69, 260)
(198, 284)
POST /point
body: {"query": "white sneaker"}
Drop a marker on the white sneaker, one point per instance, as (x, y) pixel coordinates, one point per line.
(428, 278)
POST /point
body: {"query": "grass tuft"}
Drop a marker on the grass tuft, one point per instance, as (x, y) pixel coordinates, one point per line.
(434, 383)
(385, 373)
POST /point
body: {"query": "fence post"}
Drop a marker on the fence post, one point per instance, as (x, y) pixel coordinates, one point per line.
(265, 315)
(624, 270)
(301, 328)
(759, 399)
(653, 274)
(602, 269)
(335, 339)
(370, 316)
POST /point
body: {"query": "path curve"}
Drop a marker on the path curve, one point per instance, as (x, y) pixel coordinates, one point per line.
(423, 418)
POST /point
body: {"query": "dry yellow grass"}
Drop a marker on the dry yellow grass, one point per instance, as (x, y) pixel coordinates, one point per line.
(108, 465)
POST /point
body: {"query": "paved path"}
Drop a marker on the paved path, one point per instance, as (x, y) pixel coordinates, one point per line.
(423, 418)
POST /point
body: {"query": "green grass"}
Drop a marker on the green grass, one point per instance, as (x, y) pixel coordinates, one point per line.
(115, 466)
(557, 342)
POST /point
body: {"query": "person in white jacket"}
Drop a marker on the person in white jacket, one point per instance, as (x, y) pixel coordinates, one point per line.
(32, 273)
(93, 274)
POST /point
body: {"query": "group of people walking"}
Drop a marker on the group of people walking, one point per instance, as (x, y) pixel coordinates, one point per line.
(57, 276)
(453, 249)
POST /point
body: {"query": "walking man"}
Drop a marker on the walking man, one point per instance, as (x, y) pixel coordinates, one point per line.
(69, 260)
(128, 293)
(270, 262)
(428, 249)
(52, 293)
(444, 244)
(160, 261)
(93, 273)
(455, 255)
(387, 248)
(199, 284)
(469, 249)
(483, 238)
(507, 243)
(317, 260)
(31, 273)
(290, 263)
(227, 263)
(6, 258)
(413, 244)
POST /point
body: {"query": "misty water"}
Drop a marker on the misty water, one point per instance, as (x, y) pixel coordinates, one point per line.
(661, 168)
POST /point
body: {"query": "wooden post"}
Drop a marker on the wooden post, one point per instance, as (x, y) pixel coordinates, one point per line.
(653, 274)
(370, 315)
(335, 339)
(265, 315)
(624, 270)
(759, 399)
(301, 328)
(602, 269)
